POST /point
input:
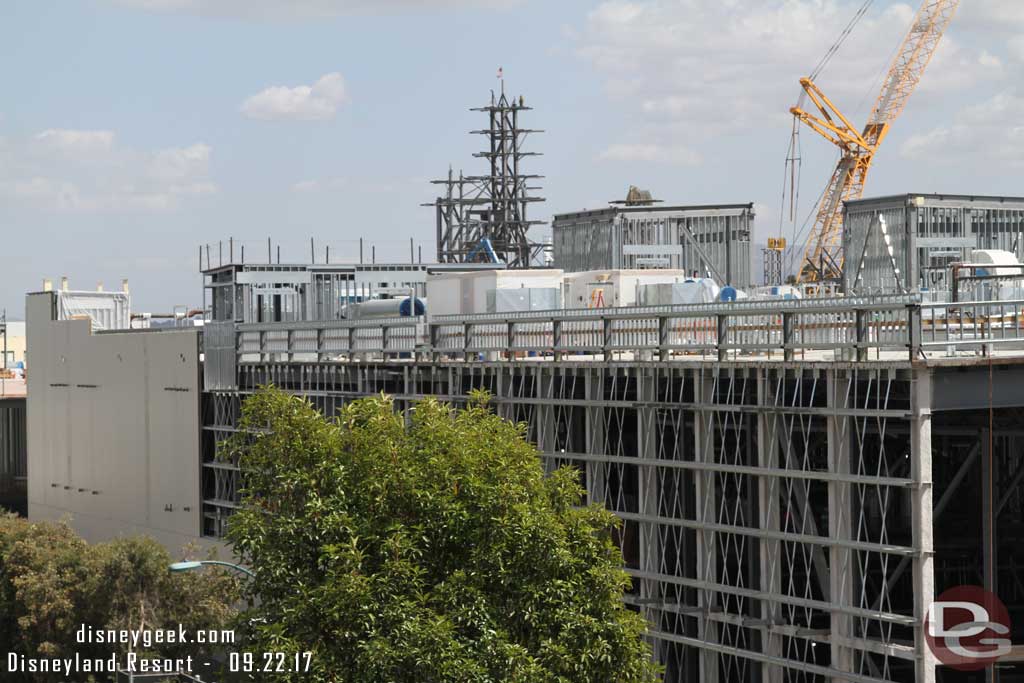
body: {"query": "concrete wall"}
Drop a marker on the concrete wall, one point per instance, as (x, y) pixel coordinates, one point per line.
(113, 428)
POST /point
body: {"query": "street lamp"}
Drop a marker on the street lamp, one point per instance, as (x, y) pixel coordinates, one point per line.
(196, 564)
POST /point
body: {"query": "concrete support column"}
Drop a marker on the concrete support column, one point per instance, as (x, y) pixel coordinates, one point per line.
(921, 513)
(648, 496)
(840, 510)
(596, 471)
(544, 414)
(706, 511)
(769, 550)
(990, 559)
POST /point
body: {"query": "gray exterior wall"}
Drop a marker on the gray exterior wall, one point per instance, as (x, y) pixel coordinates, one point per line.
(926, 232)
(113, 428)
(13, 455)
(686, 238)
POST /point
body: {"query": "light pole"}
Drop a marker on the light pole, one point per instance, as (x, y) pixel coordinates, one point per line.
(196, 564)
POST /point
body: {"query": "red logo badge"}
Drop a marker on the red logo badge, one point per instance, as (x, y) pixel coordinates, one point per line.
(968, 628)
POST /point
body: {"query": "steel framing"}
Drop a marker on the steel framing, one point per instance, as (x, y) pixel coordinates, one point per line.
(777, 515)
(713, 241)
(920, 235)
(491, 207)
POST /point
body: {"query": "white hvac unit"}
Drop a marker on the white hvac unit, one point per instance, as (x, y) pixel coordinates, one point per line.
(613, 288)
(493, 291)
(691, 291)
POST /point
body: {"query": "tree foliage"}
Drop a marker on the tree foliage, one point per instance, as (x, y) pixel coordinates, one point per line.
(52, 583)
(426, 551)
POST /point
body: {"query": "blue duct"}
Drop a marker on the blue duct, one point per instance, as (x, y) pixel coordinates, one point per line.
(412, 307)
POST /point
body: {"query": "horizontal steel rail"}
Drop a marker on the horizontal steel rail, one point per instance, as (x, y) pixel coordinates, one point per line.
(850, 327)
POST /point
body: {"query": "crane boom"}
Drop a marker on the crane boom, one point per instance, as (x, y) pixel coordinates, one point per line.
(823, 257)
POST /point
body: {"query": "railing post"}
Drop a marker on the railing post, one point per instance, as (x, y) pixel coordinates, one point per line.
(289, 341)
(352, 343)
(510, 340)
(435, 355)
(384, 329)
(320, 340)
(914, 331)
(556, 338)
(662, 338)
(787, 337)
(465, 341)
(723, 336)
(606, 343)
(263, 345)
(861, 333)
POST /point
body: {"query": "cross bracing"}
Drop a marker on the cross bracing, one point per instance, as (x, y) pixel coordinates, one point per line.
(777, 515)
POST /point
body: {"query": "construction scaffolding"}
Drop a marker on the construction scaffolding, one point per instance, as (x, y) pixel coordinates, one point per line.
(483, 218)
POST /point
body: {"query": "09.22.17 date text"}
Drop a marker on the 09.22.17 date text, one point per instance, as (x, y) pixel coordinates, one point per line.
(269, 662)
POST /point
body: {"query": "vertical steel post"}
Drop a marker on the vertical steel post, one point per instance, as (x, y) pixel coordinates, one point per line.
(989, 517)
(787, 337)
(769, 550)
(706, 509)
(722, 320)
(921, 516)
(839, 385)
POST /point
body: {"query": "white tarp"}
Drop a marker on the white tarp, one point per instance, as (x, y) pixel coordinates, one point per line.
(106, 310)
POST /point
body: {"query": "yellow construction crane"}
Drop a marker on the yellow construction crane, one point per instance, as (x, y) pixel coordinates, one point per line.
(823, 257)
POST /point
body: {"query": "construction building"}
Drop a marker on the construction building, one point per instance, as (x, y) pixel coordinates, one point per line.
(909, 242)
(710, 241)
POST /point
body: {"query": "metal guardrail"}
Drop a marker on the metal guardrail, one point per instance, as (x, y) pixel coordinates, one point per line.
(852, 327)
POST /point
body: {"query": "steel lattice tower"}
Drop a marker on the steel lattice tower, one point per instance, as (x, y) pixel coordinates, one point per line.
(484, 217)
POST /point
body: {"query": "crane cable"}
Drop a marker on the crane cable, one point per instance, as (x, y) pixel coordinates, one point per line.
(842, 39)
(793, 155)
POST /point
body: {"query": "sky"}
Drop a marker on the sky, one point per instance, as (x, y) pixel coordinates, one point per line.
(135, 131)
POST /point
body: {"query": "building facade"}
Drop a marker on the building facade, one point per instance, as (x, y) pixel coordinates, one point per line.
(712, 241)
(908, 243)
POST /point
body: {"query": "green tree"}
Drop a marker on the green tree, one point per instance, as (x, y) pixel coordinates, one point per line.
(52, 582)
(426, 551)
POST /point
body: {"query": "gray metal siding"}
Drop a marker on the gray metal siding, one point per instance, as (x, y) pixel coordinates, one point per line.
(674, 237)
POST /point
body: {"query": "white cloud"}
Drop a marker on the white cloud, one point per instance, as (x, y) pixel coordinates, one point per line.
(1016, 47)
(180, 163)
(86, 171)
(693, 67)
(993, 129)
(991, 15)
(680, 156)
(317, 102)
(76, 142)
(302, 9)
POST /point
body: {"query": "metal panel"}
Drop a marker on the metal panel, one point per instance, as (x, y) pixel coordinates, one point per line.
(219, 353)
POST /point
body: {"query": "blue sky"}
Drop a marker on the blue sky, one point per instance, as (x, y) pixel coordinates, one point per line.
(135, 130)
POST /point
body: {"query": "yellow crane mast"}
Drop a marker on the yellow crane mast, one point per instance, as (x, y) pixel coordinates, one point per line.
(823, 257)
